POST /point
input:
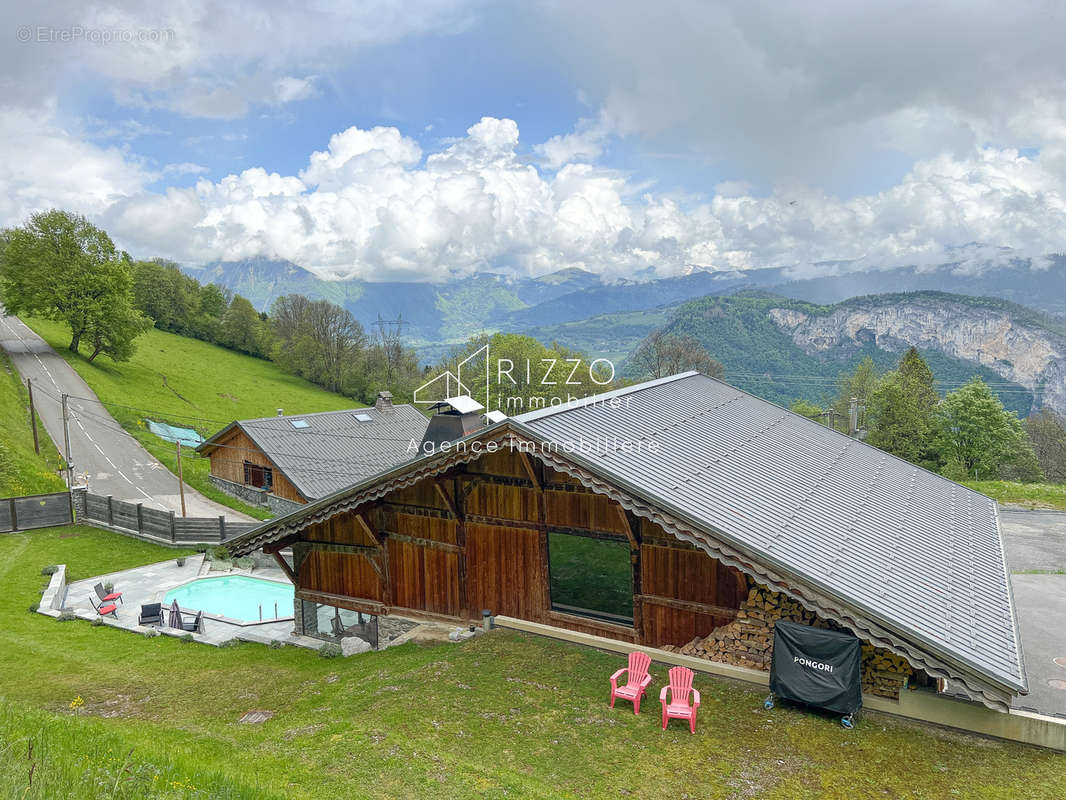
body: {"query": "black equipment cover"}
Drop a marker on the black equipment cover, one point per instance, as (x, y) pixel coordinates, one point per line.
(817, 667)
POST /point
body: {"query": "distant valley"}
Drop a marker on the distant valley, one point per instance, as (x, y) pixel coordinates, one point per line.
(757, 323)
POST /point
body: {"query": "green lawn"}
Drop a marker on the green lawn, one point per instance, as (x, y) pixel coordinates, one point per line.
(504, 715)
(1031, 495)
(193, 384)
(22, 471)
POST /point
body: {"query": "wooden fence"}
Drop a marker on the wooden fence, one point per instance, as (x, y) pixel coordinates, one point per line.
(163, 526)
(35, 511)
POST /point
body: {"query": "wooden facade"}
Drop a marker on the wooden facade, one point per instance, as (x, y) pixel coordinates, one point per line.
(476, 537)
(236, 449)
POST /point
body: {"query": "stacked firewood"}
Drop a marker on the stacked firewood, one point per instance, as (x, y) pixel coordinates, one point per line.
(748, 641)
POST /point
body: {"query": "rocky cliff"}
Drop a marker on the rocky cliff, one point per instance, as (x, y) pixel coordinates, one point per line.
(1016, 343)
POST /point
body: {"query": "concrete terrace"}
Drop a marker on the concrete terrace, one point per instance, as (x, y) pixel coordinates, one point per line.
(150, 583)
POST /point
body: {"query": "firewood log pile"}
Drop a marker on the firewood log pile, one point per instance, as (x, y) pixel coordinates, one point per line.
(748, 641)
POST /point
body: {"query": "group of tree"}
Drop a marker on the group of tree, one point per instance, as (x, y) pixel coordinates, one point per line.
(60, 266)
(965, 435)
(661, 354)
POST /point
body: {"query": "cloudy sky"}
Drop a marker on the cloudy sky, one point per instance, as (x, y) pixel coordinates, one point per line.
(419, 139)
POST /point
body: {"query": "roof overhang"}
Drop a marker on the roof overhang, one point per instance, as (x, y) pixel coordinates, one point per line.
(762, 567)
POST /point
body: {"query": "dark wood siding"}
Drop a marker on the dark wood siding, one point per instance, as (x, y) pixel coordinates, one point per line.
(228, 460)
(476, 538)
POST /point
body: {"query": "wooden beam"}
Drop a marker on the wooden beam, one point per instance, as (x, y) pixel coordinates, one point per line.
(460, 540)
(284, 566)
(334, 547)
(527, 463)
(626, 527)
(363, 604)
(365, 526)
(375, 563)
(687, 605)
(386, 577)
(281, 544)
(447, 500)
(432, 544)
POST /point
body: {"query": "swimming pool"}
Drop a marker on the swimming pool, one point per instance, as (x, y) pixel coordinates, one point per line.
(235, 597)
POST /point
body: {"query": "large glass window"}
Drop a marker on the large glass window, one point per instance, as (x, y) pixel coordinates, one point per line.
(591, 577)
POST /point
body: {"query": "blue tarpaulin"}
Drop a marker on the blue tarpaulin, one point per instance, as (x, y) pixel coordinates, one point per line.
(187, 436)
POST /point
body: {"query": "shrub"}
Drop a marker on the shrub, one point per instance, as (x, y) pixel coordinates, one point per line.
(66, 616)
(220, 553)
(187, 638)
(245, 563)
(276, 644)
(52, 569)
(97, 622)
(151, 633)
(181, 561)
(330, 650)
(230, 643)
(34, 607)
(109, 587)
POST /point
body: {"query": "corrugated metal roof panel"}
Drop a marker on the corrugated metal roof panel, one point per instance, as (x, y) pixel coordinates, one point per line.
(335, 449)
(918, 552)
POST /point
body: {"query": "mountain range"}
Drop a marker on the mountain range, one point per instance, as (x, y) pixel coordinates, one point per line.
(803, 332)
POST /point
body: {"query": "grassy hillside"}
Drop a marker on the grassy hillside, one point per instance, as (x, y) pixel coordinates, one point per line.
(1028, 495)
(99, 712)
(739, 333)
(611, 336)
(21, 470)
(193, 384)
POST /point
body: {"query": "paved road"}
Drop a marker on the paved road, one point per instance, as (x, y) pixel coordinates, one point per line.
(110, 459)
(1036, 550)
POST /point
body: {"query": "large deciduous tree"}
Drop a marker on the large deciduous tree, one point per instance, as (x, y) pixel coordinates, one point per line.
(62, 267)
(661, 354)
(1047, 435)
(978, 438)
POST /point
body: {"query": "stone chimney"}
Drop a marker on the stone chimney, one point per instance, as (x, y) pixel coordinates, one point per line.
(281, 412)
(384, 403)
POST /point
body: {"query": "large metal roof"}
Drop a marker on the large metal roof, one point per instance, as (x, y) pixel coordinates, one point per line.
(325, 452)
(905, 557)
(917, 553)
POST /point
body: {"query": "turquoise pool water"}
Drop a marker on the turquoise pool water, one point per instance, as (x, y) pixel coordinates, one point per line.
(235, 596)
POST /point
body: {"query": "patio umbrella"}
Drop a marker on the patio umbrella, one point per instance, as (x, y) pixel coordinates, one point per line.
(175, 615)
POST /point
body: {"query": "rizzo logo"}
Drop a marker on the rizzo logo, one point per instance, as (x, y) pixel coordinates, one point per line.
(812, 664)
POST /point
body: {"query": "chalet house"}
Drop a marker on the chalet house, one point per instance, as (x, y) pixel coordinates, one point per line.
(286, 461)
(674, 512)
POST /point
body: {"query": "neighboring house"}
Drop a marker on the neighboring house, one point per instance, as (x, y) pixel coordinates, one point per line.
(286, 461)
(666, 512)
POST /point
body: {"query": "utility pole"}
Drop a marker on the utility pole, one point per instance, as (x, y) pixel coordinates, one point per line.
(66, 444)
(181, 482)
(33, 417)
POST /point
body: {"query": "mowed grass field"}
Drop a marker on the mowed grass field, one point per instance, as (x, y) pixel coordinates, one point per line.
(22, 471)
(1029, 495)
(102, 713)
(192, 384)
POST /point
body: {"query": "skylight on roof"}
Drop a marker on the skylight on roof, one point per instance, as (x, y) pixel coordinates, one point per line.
(361, 417)
(300, 423)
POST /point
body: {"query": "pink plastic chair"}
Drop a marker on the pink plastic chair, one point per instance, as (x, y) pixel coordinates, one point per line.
(679, 708)
(636, 681)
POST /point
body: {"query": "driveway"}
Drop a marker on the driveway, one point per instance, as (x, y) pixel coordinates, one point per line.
(111, 460)
(1036, 551)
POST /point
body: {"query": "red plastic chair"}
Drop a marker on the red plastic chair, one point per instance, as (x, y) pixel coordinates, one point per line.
(636, 681)
(679, 707)
(104, 610)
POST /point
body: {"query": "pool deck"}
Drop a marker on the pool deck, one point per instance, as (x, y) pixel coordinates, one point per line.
(149, 584)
